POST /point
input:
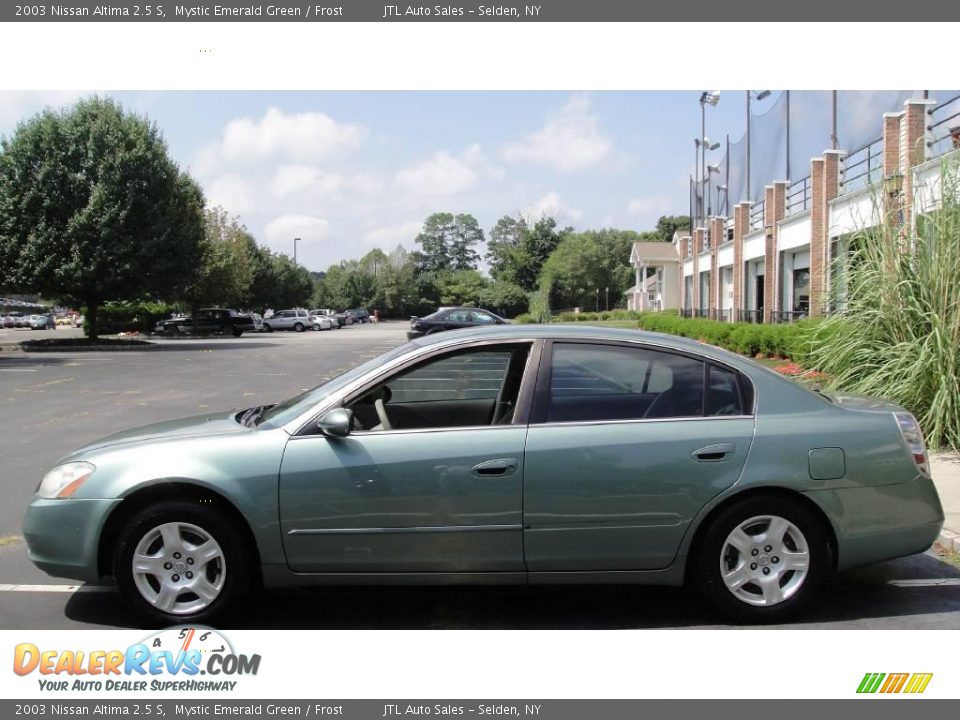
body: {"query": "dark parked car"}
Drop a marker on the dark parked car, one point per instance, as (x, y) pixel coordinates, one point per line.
(361, 315)
(452, 319)
(208, 321)
(42, 322)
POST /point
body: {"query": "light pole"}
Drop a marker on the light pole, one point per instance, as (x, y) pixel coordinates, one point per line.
(596, 307)
(295, 241)
(706, 98)
(606, 298)
(752, 95)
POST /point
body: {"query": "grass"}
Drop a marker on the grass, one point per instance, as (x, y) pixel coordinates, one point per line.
(951, 558)
(6, 540)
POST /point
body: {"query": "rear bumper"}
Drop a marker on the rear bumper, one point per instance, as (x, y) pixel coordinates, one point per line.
(62, 536)
(873, 524)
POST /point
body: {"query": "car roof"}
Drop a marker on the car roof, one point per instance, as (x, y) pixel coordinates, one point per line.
(578, 331)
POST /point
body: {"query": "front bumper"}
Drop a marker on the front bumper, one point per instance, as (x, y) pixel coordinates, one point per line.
(414, 334)
(62, 536)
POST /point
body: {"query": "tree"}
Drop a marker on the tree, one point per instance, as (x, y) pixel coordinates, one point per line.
(447, 242)
(92, 209)
(503, 248)
(584, 265)
(227, 264)
(463, 287)
(667, 225)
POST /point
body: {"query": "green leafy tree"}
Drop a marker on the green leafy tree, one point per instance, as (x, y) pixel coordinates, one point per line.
(448, 242)
(227, 264)
(92, 209)
(585, 264)
(667, 225)
(504, 298)
(462, 287)
(503, 248)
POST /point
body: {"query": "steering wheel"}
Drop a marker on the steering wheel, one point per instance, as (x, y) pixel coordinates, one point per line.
(382, 414)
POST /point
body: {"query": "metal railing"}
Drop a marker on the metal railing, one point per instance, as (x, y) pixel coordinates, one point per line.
(862, 167)
(939, 118)
(722, 315)
(756, 216)
(750, 316)
(701, 313)
(799, 195)
(686, 312)
(787, 316)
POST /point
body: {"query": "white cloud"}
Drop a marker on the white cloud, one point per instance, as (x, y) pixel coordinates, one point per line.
(570, 141)
(310, 136)
(442, 173)
(282, 230)
(388, 237)
(643, 206)
(236, 194)
(549, 206)
(18, 106)
(306, 179)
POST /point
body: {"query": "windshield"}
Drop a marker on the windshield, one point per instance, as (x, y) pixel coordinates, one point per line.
(289, 409)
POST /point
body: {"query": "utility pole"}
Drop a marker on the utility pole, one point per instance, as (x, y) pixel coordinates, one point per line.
(295, 241)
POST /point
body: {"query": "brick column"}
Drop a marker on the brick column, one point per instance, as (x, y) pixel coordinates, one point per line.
(717, 236)
(741, 225)
(697, 248)
(891, 165)
(913, 149)
(825, 186)
(774, 208)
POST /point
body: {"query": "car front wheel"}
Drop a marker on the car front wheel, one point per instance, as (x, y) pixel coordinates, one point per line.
(298, 327)
(763, 560)
(179, 562)
(267, 328)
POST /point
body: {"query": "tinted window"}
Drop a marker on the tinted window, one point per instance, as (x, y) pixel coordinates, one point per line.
(482, 318)
(604, 382)
(466, 376)
(459, 316)
(723, 395)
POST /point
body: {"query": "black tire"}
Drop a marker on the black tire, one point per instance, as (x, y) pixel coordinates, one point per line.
(237, 332)
(298, 327)
(266, 327)
(706, 564)
(237, 578)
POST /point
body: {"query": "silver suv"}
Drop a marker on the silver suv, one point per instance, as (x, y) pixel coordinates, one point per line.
(297, 319)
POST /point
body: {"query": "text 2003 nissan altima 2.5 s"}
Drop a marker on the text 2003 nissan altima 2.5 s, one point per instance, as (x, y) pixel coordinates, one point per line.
(514, 454)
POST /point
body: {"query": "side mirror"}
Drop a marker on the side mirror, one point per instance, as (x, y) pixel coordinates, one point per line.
(336, 422)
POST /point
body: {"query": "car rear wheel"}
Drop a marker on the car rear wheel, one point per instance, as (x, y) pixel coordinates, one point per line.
(267, 328)
(180, 561)
(762, 560)
(298, 327)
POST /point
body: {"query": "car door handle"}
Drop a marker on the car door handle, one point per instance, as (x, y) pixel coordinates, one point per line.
(493, 468)
(714, 453)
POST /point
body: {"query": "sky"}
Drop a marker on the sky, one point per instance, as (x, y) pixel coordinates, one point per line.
(351, 171)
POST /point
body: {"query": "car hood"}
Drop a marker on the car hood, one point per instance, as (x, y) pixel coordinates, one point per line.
(197, 426)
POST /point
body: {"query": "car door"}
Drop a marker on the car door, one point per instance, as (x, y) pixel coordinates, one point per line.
(439, 490)
(626, 444)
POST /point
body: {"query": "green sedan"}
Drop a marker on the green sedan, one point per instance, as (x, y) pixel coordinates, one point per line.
(512, 454)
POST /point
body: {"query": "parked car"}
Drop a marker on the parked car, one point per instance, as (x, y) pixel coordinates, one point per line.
(20, 320)
(322, 322)
(361, 315)
(42, 322)
(208, 321)
(518, 454)
(9, 321)
(454, 318)
(296, 319)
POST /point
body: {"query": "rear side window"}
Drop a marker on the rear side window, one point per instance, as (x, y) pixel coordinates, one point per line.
(605, 382)
(723, 393)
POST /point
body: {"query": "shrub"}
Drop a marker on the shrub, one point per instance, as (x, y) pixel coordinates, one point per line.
(525, 319)
(126, 317)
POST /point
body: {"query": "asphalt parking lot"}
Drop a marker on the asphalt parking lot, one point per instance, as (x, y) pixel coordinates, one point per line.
(51, 403)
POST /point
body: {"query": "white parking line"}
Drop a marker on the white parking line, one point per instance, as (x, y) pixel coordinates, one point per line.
(55, 588)
(925, 582)
(18, 369)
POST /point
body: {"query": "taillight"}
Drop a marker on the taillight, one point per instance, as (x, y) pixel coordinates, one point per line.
(913, 437)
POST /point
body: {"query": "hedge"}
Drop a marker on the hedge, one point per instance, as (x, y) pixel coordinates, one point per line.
(786, 340)
(129, 317)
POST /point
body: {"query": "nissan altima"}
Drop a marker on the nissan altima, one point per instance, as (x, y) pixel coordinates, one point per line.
(510, 454)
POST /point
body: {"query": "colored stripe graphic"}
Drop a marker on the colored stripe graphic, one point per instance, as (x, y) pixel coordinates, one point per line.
(894, 683)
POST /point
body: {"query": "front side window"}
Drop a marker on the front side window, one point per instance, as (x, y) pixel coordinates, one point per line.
(461, 389)
(607, 382)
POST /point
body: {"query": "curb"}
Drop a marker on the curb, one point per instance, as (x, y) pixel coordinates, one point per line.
(949, 541)
(88, 348)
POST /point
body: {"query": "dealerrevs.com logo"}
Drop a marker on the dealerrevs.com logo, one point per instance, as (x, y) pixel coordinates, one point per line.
(887, 683)
(171, 660)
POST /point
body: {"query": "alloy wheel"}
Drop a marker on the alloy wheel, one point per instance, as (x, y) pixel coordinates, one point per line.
(764, 560)
(179, 568)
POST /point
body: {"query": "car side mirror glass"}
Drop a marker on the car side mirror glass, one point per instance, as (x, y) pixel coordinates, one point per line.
(336, 422)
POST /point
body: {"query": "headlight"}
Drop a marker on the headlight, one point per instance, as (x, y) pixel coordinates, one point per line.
(64, 480)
